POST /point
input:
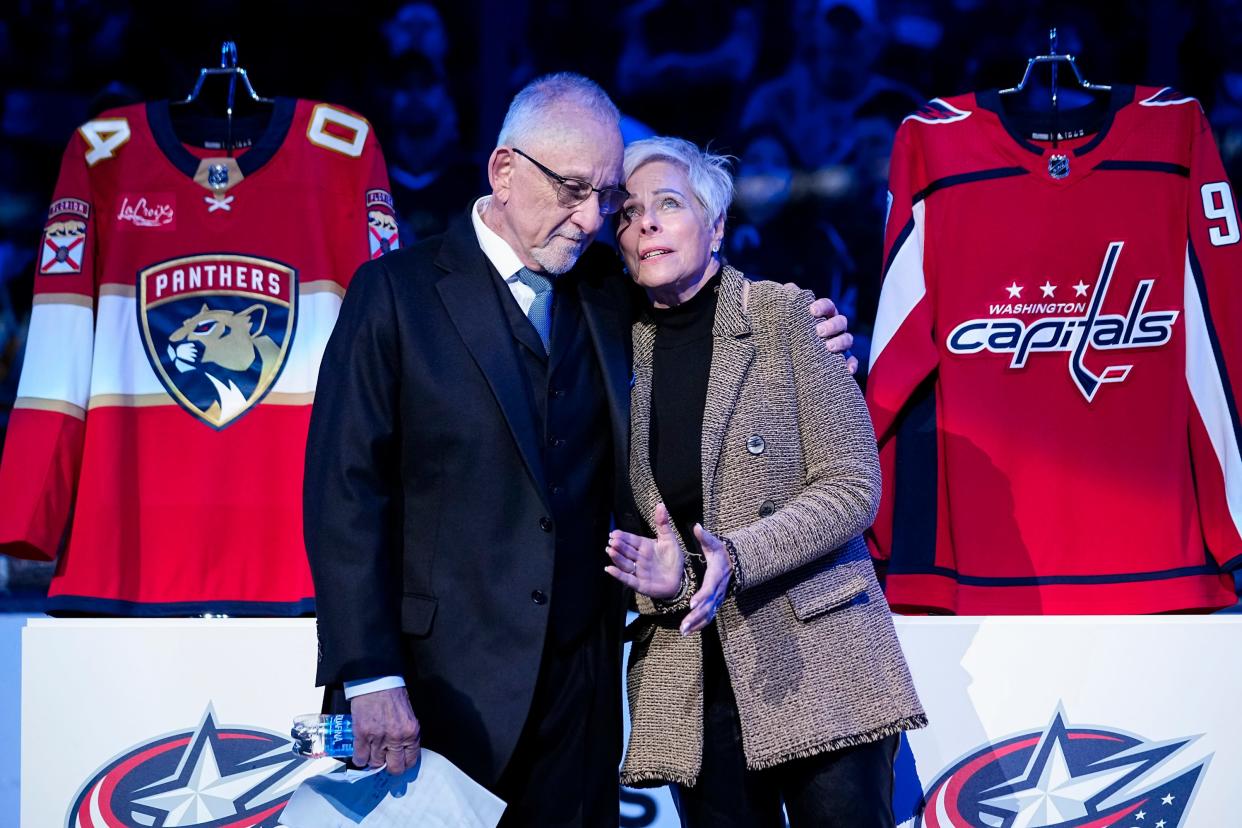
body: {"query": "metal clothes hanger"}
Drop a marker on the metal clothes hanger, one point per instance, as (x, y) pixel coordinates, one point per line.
(1054, 59)
(228, 68)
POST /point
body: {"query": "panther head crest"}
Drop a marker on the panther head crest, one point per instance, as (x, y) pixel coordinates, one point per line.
(230, 340)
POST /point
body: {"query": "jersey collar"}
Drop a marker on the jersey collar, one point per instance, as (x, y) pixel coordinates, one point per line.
(1095, 118)
(260, 152)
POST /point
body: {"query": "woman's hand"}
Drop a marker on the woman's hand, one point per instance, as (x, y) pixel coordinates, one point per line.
(711, 593)
(653, 567)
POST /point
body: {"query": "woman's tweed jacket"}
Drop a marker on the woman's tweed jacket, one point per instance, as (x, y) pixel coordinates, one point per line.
(790, 476)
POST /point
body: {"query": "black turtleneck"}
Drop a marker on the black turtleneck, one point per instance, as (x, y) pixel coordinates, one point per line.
(680, 364)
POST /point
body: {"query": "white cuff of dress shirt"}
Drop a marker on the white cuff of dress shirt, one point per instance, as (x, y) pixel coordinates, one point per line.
(357, 688)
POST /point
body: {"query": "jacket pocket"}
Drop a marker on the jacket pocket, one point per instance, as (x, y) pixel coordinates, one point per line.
(417, 612)
(831, 588)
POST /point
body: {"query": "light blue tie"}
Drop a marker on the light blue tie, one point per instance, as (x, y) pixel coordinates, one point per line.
(540, 313)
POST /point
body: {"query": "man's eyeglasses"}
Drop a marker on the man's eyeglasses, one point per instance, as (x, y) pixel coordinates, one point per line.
(570, 192)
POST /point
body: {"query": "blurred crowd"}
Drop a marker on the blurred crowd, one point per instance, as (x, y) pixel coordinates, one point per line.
(805, 94)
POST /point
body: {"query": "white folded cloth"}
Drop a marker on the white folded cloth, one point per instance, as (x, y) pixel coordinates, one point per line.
(433, 793)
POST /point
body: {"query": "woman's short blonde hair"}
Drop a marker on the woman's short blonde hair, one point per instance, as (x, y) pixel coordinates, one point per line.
(709, 174)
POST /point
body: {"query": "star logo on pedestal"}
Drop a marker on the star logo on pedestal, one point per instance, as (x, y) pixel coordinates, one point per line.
(210, 782)
(1065, 782)
(1050, 793)
(210, 776)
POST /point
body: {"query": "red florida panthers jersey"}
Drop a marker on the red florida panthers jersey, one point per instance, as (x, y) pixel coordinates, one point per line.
(182, 303)
(1056, 361)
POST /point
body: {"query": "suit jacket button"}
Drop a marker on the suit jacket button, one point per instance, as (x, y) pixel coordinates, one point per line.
(767, 509)
(755, 444)
(545, 524)
(539, 597)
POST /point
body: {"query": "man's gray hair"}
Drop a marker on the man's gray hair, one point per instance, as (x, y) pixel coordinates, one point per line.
(708, 173)
(528, 113)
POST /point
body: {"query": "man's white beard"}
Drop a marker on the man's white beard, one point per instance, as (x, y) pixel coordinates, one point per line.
(555, 258)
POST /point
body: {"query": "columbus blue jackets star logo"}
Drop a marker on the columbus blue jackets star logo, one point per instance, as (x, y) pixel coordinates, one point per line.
(211, 777)
(1066, 777)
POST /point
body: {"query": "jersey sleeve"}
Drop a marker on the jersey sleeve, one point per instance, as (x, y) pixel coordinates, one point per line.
(43, 447)
(382, 234)
(1213, 301)
(903, 350)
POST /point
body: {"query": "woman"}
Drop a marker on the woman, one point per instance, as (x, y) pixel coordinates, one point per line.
(765, 668)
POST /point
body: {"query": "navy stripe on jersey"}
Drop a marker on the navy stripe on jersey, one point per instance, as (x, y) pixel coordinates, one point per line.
(898, 244)
(1068, 580)
(967, 178)
(71, 605)
(1145, 166)
(1226, 385)
(915, 490)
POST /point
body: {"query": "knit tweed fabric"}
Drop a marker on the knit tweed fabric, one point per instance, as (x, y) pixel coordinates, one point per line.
(808, 639)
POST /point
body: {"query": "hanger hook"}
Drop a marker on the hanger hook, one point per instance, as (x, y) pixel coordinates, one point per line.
(228, 55)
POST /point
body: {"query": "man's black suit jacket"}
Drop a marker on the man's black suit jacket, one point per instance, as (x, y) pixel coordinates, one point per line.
(426, 510)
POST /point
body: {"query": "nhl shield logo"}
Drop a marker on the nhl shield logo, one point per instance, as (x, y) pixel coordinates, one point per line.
(217, 330)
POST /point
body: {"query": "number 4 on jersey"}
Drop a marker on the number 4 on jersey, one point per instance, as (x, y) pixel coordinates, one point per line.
(103, 136)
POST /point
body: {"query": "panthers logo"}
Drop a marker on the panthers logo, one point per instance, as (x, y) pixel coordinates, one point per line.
(225, 342)
(382, 233)
(217, 330)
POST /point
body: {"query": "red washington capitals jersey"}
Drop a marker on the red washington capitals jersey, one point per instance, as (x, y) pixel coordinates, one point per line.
(182, 304)
(1055, 361)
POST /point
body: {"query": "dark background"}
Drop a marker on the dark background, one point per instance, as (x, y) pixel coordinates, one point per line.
(435, 78)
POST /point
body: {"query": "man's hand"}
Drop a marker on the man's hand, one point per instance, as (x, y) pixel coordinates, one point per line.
(711, 593)
(653, 567)
(386, 733)
(833, 329)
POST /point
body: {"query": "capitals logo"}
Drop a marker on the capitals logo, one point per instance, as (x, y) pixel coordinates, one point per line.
(208, 777)
(217, 330)
(1066, 777)
(937, 111)
(1079, 335)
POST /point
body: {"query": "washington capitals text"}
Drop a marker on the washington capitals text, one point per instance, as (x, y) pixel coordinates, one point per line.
(1138, 328)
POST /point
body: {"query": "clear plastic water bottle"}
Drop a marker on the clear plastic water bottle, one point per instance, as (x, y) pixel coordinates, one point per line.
(318, 735)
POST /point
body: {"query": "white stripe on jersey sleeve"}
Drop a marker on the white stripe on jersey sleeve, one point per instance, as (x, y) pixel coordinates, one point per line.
(904, 286)
(59, 347)
(1151, 100)
(317, 313)
(1208, 394)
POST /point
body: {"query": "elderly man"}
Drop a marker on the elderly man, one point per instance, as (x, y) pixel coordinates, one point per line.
(467, 450)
